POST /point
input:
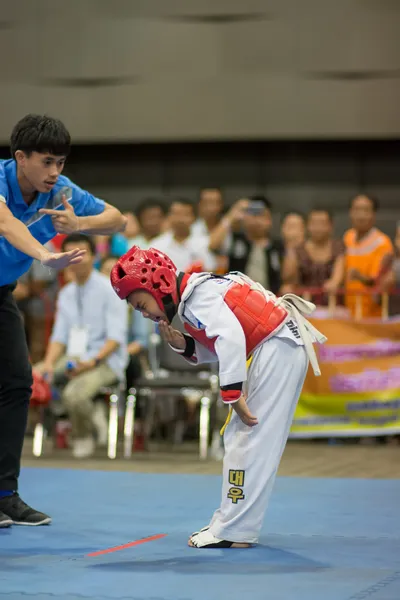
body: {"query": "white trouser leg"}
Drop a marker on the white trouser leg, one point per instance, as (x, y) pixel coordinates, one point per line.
(252, 455)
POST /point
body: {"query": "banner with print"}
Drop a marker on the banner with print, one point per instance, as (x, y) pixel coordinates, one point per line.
(358, 392)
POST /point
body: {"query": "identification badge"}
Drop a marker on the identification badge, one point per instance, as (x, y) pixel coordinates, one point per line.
(77, 342)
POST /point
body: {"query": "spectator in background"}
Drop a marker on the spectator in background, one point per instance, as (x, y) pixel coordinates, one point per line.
(293, 229)
(120, 242)
(185, 249)
(390, 276)
(319, 261)
(366, 249)
(90, 330)
(151, 215)
(244, 235)
(209, 210)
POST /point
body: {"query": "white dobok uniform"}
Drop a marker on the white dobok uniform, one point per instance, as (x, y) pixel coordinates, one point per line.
(273, 385)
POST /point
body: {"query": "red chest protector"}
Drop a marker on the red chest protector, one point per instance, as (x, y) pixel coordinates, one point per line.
(258, 316)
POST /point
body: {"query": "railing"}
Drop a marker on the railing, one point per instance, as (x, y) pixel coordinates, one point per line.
(317, 295)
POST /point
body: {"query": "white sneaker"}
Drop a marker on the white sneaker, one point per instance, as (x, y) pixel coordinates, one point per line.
(100, 422)
(83, 447)
(205, 539)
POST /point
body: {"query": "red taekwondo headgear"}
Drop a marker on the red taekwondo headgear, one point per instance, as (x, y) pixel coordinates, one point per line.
(148, 270)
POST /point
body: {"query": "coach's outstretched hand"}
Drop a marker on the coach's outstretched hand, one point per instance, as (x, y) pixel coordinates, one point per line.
(60, 260)
(242, 410)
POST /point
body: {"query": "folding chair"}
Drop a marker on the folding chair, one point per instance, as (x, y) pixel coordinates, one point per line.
(170, 374)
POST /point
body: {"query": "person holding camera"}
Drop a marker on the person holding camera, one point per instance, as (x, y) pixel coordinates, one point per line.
(244, 236)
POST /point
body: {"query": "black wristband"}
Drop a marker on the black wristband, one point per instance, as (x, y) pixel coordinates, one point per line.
(190, 346)
(233, 386)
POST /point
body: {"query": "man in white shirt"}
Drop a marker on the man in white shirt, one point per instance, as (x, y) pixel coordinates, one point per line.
(88, 346)
(184, 248)
(210, 208)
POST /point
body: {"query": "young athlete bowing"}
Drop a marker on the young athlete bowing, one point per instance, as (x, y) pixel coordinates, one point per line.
(263, 345)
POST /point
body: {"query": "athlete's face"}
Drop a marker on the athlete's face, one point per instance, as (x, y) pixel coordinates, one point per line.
(39, 171)
(145, 303)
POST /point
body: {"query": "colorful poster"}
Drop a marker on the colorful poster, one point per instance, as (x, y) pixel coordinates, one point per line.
(358, 392)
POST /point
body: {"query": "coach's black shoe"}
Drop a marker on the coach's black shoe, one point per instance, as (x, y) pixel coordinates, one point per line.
(20, 513)
(4, 520)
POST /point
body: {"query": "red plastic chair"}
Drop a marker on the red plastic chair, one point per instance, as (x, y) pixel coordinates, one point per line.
(40, 398)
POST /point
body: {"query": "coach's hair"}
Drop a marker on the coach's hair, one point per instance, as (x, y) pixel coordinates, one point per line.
(40, 133)
(77, 238)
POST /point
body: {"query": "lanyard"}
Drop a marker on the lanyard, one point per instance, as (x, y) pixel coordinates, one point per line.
(79, 304)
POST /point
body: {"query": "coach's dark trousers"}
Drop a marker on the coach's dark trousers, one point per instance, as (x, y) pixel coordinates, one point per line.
(15, 388)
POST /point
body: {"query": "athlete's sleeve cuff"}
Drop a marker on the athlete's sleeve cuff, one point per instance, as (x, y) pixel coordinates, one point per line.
(231, 393)
(190, 349)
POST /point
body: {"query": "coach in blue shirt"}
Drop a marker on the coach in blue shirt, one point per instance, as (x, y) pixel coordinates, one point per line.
(36, 203)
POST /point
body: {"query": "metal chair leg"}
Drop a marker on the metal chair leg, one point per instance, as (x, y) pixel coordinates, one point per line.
(38, 435)
(129, 423)
(113, 427)
(205, 404)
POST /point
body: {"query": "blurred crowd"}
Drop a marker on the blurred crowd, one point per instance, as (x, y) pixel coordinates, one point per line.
(74, 316)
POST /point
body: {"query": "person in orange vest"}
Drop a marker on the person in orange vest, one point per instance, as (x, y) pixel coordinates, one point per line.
(367, 249)
(263, 345)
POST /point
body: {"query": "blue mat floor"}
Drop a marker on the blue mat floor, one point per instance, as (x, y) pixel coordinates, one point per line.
(323, 539)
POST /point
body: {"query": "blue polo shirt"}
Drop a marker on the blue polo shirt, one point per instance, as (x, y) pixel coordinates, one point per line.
(14, 263)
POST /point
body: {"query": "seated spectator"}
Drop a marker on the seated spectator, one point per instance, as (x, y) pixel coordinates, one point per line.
(151, 216)
(293, 229)
(87, 349)
(185, 249)
(244, 235)
(121, 242)
(366, 249)
(319, 261)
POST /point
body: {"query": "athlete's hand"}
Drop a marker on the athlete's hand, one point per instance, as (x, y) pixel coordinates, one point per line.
(172, 336)
(242, 410)
(64, 221)
(60, 260)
